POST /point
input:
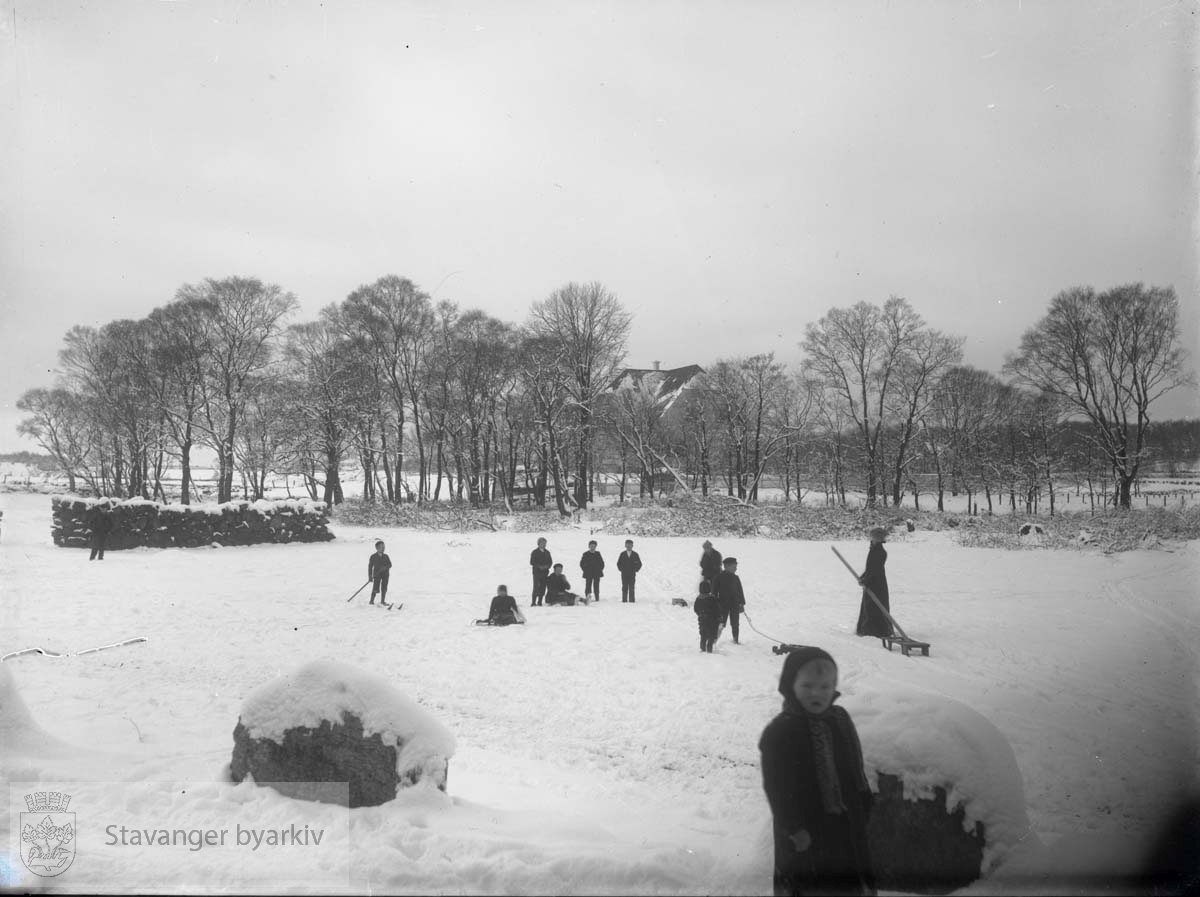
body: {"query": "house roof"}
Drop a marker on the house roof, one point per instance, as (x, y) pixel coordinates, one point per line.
(668, 383)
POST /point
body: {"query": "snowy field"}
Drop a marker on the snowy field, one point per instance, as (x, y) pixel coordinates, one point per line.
(598, 751)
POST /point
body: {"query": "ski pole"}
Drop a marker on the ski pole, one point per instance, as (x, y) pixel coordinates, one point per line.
(883, 610)
(360, 588)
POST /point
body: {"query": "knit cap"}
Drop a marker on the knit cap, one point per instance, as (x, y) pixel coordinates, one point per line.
(797, 659)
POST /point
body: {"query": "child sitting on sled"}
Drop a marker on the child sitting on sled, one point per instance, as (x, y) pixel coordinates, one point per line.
(558, 590)
(503, 611)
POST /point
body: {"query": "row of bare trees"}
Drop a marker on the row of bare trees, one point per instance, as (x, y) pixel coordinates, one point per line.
(428, 401)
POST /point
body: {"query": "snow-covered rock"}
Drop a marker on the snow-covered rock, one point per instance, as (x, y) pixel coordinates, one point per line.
(329, 722)
(931, 743)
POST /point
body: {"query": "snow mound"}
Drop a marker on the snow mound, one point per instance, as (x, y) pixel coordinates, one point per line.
(931, 741)
(327, 689)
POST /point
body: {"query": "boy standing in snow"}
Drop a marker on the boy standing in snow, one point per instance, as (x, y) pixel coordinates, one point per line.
(708, 616)
(629, 564)
(377, 571)
(592, 565)
(728, 589)
(813, 775)
(540, 561)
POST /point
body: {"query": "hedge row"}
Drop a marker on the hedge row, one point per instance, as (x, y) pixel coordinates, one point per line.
(137, 522)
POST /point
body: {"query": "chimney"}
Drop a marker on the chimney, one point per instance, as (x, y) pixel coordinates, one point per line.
(656, 366)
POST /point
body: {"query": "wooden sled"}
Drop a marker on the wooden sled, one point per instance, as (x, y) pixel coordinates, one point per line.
(898, 636)
(786, 649)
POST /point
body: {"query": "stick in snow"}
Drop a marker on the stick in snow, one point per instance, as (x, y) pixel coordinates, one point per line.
(47, 653)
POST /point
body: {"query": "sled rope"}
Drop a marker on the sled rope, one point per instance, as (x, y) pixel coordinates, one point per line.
(45, 652)
(769, 638)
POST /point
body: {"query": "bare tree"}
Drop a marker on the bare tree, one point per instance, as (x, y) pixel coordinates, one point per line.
(395, 320)
(179, 352)
(328, 399)
(244, 319)
(1108, 356)
(58, 423)
(877, 362)
(589, 325)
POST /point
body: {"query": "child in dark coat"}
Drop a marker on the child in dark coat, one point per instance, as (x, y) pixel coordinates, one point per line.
(503, 610)
(708, 616)
(558, 590)
(539, 562)
(378, 571)
(813, 775)
(592, 566)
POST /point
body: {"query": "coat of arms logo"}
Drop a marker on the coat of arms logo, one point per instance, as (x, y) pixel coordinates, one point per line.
(47, 833)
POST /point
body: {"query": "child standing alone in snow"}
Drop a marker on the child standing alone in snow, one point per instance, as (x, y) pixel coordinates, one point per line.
(708, 616)
(813, 775)
(377, 571)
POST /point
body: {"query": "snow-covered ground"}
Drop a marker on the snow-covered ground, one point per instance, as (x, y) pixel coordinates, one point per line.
(598, 751)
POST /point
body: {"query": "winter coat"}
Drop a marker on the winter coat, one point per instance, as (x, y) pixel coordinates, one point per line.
(592, 564)
(540, 560)
(503, 610)
(871, 621)
(629, 563)
(557, 582)
(728, 589)
(379, 563)
(839, 857)
(708, 612)
(710, 564)
(101, 522)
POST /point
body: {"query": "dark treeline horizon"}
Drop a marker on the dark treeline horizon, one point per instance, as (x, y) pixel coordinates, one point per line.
(474, 408)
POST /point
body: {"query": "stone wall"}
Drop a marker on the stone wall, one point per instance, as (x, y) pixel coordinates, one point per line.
(138, 523)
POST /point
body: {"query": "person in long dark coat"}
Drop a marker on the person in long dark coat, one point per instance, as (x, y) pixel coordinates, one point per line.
(872, 621)
(100, 522)
(816, 785)
(710, 562)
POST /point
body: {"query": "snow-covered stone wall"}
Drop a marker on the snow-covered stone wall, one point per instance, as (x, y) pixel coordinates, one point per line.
(137, 522)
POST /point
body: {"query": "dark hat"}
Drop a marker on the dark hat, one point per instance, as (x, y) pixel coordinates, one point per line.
(797, 659)
(878, 532)
(557, 566)
(705, 587)
(707, 544)
(728, 561)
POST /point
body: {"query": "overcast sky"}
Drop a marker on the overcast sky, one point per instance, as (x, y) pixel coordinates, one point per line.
(731, 171)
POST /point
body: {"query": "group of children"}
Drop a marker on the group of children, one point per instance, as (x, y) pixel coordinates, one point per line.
(553, 587)
(812, 761)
